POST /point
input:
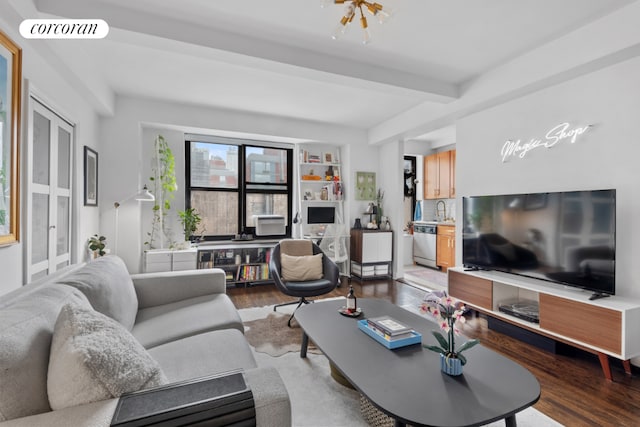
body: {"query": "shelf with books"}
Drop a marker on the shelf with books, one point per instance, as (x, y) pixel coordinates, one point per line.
(244, 264)
(320, 201)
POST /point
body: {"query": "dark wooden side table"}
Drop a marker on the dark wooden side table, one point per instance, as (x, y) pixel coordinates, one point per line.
(407, 383)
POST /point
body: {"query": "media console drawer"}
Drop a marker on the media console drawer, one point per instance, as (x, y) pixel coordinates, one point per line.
(597, 326)
(471, 289)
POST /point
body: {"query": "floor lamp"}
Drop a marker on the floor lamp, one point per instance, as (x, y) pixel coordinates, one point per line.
(143, 195)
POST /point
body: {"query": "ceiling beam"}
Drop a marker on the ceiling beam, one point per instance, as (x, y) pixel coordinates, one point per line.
(609, 40)
(243, 49)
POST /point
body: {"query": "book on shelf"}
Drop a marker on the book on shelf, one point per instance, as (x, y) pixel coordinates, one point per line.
(313, 158)
(254, 272)
(388, 325)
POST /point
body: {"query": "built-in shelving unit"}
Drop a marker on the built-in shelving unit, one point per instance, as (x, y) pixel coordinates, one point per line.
(321, 206)
(606, 327)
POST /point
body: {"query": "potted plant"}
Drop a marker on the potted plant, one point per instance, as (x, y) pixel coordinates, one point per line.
(449, 314)
(97, 245)
(190, 220)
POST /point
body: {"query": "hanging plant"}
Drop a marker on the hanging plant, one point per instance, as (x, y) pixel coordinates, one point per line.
(164, 184)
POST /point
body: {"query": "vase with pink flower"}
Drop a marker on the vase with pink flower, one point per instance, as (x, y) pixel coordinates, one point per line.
(449, 314)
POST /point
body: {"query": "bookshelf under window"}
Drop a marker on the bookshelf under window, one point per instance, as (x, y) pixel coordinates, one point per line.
(245, 263)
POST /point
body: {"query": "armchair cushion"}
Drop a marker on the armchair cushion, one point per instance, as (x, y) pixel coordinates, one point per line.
(94, 358)
(301, 268)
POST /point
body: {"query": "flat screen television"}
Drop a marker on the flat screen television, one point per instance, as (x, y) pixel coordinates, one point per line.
(321, 214)
(563, 237)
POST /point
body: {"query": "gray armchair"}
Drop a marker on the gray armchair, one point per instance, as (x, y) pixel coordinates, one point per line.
(307, 288)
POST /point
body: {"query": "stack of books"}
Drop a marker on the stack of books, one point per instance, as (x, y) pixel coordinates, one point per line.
(389, 332)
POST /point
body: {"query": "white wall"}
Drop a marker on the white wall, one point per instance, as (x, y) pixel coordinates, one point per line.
(50, 85)
(605, 157)
(128, 140)
(391, 161)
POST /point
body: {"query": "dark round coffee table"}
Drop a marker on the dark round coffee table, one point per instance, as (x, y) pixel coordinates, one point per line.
(407, 383)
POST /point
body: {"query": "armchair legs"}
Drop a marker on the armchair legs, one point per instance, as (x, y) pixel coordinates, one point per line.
(301, 301)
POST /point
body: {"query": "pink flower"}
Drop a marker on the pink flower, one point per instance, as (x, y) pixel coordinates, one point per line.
(444, 325)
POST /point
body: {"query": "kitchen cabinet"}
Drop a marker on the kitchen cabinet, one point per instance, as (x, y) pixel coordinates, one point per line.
(445, 246)
(452, 174)
(439, 175)
(371, 253)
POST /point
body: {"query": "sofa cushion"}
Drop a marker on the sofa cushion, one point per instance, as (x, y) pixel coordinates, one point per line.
(26, 329)
(94, 358)
(107, 285)
(205, 354)
(301, 268)
(181, 319)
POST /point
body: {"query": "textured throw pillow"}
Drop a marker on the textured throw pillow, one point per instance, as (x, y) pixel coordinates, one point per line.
(107, 284)
(95, 358)
(300, 268)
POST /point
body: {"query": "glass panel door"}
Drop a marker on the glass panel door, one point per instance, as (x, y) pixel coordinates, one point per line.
(49, 192)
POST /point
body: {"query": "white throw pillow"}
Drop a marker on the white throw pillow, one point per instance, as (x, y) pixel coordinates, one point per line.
(300, 268)
(94, 358)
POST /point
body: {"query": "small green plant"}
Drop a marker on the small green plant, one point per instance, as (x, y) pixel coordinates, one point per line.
(97, 244)
(190, 220)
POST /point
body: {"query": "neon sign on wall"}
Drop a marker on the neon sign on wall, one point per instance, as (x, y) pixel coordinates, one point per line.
(552, 137)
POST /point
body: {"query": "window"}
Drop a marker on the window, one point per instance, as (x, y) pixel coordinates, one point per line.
(231, 181)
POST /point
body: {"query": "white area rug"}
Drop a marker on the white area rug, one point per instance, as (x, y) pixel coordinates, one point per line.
(319, 401)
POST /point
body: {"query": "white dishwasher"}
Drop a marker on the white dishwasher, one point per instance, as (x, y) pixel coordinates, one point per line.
(424, 243)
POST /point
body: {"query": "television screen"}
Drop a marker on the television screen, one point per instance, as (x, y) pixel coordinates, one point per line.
(321, 214)
(564, 237)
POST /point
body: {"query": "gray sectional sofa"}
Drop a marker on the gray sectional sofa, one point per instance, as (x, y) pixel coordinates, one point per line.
(179, 326)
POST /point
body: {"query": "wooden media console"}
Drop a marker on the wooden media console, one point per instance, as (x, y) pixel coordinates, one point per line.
(605, 327)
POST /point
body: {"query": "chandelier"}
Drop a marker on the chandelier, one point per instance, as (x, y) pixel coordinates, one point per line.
(350, 10)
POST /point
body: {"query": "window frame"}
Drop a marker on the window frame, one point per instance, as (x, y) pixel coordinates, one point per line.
(242, 189)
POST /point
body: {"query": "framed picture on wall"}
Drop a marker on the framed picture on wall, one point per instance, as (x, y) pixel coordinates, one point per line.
(365, 186)
(10, 96)
(90, 177)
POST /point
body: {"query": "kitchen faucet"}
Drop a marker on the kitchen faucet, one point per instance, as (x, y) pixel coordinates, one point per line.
(444, 210)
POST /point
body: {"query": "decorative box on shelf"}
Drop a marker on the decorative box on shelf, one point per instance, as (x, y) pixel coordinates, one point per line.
(415, 337)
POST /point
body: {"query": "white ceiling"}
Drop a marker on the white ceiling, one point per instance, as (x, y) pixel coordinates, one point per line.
(276, 57)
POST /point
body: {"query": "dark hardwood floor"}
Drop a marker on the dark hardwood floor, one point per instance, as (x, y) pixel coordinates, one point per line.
(574, 390)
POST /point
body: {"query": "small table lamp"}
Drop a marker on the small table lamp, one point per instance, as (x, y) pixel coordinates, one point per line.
(143, 195)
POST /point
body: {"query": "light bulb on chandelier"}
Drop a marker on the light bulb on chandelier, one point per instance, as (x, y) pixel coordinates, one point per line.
(375, 9)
